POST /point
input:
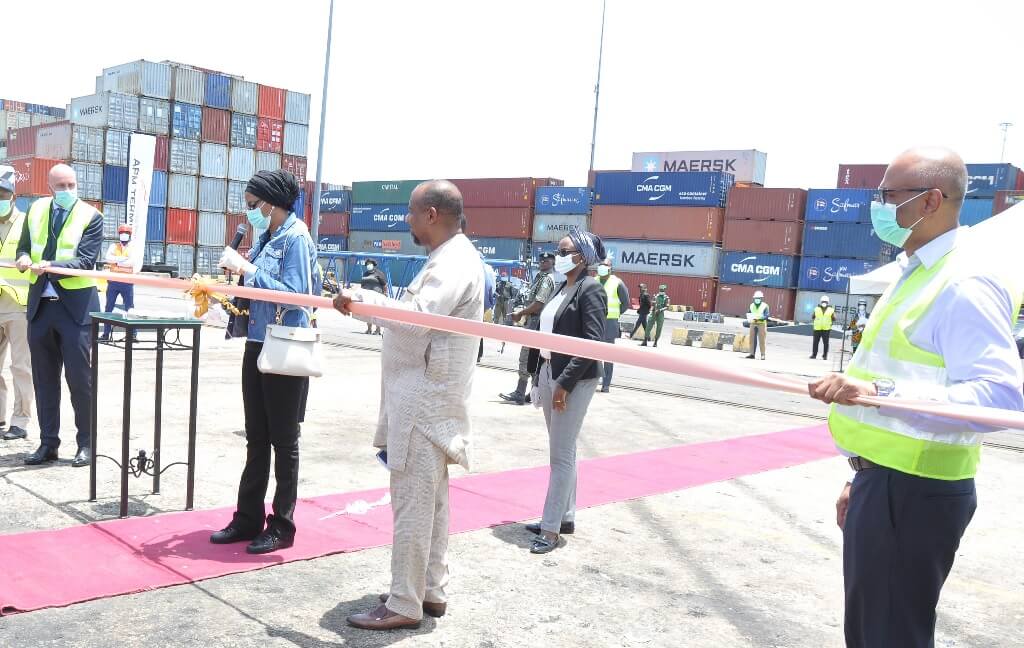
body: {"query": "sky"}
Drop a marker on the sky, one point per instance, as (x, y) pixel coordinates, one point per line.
(452, 88)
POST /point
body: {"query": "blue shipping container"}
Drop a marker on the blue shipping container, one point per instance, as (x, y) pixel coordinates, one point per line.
(831, 275)
(841, 240)
(500, 248)
(186, 121)
(379, 218)
(337, 243)
(299, 208)
(771, 270)
(400, 272)
(156, 224)
(158, 191)
(335, 201)
(984, 180)
(690, 189)
(562, 200)
(975, 210)
(115, 184)
(218, 91)
(839, 205)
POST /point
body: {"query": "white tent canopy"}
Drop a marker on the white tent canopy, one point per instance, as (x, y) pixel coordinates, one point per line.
(876, 281)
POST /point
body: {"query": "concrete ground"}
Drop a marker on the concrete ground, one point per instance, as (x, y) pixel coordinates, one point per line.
(754, 561)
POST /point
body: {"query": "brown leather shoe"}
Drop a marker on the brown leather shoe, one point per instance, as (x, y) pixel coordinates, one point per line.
(436, 610)
(382, 619)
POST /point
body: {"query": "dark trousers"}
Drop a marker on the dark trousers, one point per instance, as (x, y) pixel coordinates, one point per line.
(899, 541)
(127, 293)
(612, 332)
(273, 408)
(823, 336)
(60, 344)
(641, 320)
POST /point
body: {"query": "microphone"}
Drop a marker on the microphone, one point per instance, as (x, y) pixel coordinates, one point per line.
(239, 235)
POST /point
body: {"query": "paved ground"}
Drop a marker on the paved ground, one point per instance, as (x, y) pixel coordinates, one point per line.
(751, 562)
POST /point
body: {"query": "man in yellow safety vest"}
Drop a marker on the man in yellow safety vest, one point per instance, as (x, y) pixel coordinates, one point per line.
(13, 325)
(942, 332)
(758, 315)
(618, 303)
(824, 318)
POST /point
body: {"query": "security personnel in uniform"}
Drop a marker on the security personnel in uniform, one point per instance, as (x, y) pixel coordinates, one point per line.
(118, 259)
(66, 232)
(618, 303)
(13, 326)
(859, 323)
(657, 318)
(758, 317)
(824, 318)
(541, 290)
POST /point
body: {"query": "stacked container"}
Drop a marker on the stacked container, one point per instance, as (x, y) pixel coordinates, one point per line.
(335, 214)
(500, 213)
(19, 114)
(557, 210)
(377, 223)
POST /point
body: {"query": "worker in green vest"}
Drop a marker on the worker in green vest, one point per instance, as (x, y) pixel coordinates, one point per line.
(618, 303)
(757, 316)
(13, 324)
(942, 332)
(824, 318)
(656, 320)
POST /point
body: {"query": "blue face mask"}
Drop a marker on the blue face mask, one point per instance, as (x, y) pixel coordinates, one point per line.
(5, 208)
(883, 220)
(257, 219)
(65, 198)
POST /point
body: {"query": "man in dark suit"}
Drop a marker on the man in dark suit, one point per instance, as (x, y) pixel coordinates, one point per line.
(66, 232)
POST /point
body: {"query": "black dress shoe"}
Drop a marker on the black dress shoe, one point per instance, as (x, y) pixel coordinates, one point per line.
(43, 454)
(82, 458)
(268, 541)
(15, 432)
(231, 533)
(514, 397)
(542, 545)
(567, 528)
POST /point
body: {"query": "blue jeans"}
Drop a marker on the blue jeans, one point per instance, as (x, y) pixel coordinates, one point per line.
(127, 293)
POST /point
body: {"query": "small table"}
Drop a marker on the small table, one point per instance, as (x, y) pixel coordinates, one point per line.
(164, 342)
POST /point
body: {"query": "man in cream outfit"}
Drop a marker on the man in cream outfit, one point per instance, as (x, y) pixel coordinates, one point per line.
(424, 419)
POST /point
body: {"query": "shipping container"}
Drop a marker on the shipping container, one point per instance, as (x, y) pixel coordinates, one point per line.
(296, 166)
(186, 121)
(216, 126)
(758, 203)
(772, 270)
(664, 257)
(115, 184)
(181, 223)
(299, 208)
(296, 139)
(236, 197)
(115, 149)
(501, 248)
(207, 259)
(40, 120)
(231, 223)
(271, 102)
(503, 222)
(842, 240)
(137, 78)
(554, 227)
(269, 134)
(243, 130)
(13, 120)
(845, 305)
(184, 156)
(860, 176)
(267, 161)
(53, 141)
(189, 85)
(658, 223)
(383, 192)
(975, 210)
(696, 292)
(211, 229)
(984, 180)
(241, 163)
(90, 180)
(333, 224)
(831, 275)
(182, 191)
(182, 257)
(154, 116)
(296, 107)
(745, 166)
(218, 91)
(21, 142)
(769, 237)
(839, 205)
(734, 301)
(383, 243)
(686, 189)
(331, 243)
(113, 216)
(1006, 199)
(501, 192)
(562, 200)
(244, 97)
(213, 160)
(158, 190)
(86, 144)
(212, 195)
(32, 175)
(338, 201)
(379, 218)
(161, 159)
(154, 254)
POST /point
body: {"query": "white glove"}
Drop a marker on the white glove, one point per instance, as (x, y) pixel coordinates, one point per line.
(235, 262)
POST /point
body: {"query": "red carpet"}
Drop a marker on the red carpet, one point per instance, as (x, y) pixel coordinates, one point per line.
(45, 568)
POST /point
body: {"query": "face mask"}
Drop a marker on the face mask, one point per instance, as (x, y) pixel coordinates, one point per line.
(757, 300)
(862, 309)
(883, 220)
(257, 219)
(125, 238)
(5, 208)
(823, 304)
(564, 264)
(370, 266)
(65, 198)
(603, 271)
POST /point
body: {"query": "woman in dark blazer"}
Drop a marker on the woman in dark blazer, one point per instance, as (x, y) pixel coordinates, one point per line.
(578, 308)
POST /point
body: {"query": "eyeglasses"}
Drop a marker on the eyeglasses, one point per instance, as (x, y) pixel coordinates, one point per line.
(884, 193)
(564, 252)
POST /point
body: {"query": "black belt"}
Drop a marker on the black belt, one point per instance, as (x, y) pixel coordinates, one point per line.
(49, 299)
(860, 463)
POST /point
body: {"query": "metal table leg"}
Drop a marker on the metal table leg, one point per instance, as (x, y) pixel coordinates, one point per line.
(193, 407)
(93, 432)
(158, 409)
(126, 419)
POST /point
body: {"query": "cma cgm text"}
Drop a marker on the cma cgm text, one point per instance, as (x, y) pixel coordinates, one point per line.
(763, 270)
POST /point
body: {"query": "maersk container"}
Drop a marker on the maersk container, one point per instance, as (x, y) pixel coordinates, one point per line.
(554, 227)
(113, 217)
(244, 97)
(831, 275)
(211, 229)
(841, 240)
(383, 243)
(213, 194)
(984, 180)
(156, 224)
(184, 157)
(241, 163)
(86, 144)
(218, 91)
(182, 191)
(115, 184)
(772, 270)
(154, 116)
(154, 254)
(183, 257)
(236, 197)
(138, 78)
(90, 180)
(296, 107)
(844, 305)
(379, 218)
(186, 121)
(243, 130)
(562, 200)
(189, 85)
(296, 139)
(213, 160)
(690, 189)
(975, 210)
(115, 150)
(158, 190)
(501, 248)
(267, 161)
(337, 201)
(839, 205)
(664, 257)
(383, 192)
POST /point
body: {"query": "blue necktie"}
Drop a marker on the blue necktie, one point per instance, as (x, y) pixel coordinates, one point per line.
(58, 220)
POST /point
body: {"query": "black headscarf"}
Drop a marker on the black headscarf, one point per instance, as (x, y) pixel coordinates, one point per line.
(279, 188)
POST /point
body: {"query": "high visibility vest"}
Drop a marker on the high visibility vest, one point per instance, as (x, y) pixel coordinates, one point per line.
(759, 311)
(75, 222)
(12, 282)
(120, 250)
(823, 318)
(885, 351)
(611, 288)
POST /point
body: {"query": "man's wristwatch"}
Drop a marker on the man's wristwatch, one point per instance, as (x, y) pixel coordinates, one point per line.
(884, 386)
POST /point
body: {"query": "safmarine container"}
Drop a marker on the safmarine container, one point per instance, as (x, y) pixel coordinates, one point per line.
(500, 248)
(269, 134)
(685, 189)
(696, 292)
(54, 141)
(216, 126)
(113, 216)
(213, 160)
(842, 240)
(658, 223)
(383, 243)
(154, 116)
(295, 165)
(184, 156)
(770, 237)
(181, 256)
(337, 201)
(554, 227)
(831, 275)
(773, 270)
(137, 78)
(839, 205)
(158, 190)
(156, 224)
(218, 91)
(984, 180)
(860, 176)
(271, 102)
(243, 130)
(182, 191)
(236, 197)
(383, 192)
(181, 225)
(211, 229)
(189, 85)
(758, 203)
(504, 222)
(296, 107)
(296, 139)
(501, 192)
(845, 305)
(212, 196)
(154, 254)
(975, 210)
(267, 161)
(244, 96)
(735, 300)
(90, 180)
(115, 150)
(186, 121)
(562, 200)
(664, 257)
(241, 164)
(115, 184)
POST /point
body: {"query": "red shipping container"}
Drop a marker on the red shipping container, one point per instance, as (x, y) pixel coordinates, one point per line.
(734, 300)
(271, 102)
(1006, 199)
(162, 152)
(1020, 180)
(231, 223)
(658, 223)
(216, 125)
(269, 134)
(769, 237)
(333, 224)
(860, 176)
(32, 175)
(502, 192)
(766, 204)
(21, 142)
(504, 222)
(297, 166)
(696, 292)
(181, 226)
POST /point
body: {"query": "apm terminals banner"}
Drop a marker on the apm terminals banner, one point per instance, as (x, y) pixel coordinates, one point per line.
(141, 151)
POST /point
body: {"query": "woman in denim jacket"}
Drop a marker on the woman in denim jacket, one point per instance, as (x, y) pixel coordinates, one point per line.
(282, 258)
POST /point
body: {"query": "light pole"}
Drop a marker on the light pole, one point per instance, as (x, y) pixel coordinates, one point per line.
(597, 87)
(323, 121)
(1002, 153)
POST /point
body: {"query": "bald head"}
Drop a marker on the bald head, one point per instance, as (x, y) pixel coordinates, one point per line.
(931, 167)
(62, 178)
(442, 195)
(928, 184)
(435, 212)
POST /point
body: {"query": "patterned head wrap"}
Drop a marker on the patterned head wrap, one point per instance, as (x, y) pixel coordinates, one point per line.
(588, 244)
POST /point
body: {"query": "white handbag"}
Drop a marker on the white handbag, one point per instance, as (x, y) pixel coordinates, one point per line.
(290, 351)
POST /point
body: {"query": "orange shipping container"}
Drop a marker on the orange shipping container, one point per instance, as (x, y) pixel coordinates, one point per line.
(696, 292)
(770, 237)
(181, 226)
(271, 102)
(231, 223)
(216, 125)
(766, 204)
(502, 222)
(658, 223)
(734, 300)
(296, 165)
(31, 176)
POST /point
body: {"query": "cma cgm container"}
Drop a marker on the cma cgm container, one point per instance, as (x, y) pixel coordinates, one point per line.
(379, 218)
(664, 257)
(770, 237)
(500, 248)
(658, 223)
(831, 275)
(975, 210)
(696, 292)
(735, 300)
(1006, 199)
(137, 78)
(758, 203)
(772, 270)
(549, 228)
(842, 240)
(383, 243)
(845, 305)
(501, 192)
(747, 166)
(860, 176)
(687, 189)
(332, 243)
(383, 192)
(106, 110)
(504, 222)
(984, 180)
(337, 201)
(840, 205)
(562, 200)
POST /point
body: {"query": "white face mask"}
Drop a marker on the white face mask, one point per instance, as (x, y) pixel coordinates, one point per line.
(565, 264)
(125, 238)
(603, 271)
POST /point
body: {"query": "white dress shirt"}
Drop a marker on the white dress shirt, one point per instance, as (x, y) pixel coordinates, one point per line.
(547, 318)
